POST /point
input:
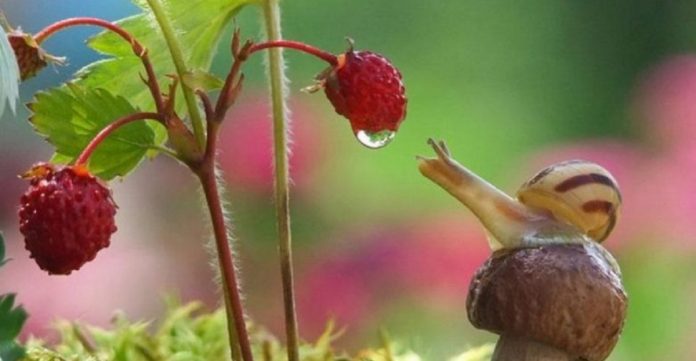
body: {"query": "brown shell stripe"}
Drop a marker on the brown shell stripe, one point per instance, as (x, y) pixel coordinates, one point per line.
(539, 176)
(598, 205)
(583, 179)
(605, 207)
(609, 228)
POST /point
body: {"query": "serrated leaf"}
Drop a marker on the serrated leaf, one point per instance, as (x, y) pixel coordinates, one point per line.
(9, 74)
(71, 115)
(11, 321)
(199, 26)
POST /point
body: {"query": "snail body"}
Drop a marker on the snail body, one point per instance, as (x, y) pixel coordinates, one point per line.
(569, 202)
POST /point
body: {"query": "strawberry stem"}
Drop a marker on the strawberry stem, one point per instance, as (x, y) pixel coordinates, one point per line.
(276, 69)
(138, 49)
(233, 302)
(44, 34)
(321, 54)
(104, 133)
(210, 188)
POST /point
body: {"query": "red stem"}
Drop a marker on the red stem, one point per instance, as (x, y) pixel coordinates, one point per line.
(139, 50)
(227, 93)
(104, 133)
(206, 174)
(323, 55)
(60, 25)
(152, 81)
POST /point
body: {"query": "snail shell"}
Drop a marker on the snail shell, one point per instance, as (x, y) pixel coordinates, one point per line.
(577, 192)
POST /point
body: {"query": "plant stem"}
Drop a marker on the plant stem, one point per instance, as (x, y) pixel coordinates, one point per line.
(229, 277)
(42, 35)
(139, 50)
(321, 54)
(239, 337)
(271, 12)
(104, 133)
(233, 338)
(212, 196)
(181, 68)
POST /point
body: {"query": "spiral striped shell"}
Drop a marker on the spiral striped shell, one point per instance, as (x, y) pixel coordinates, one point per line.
(577, 192)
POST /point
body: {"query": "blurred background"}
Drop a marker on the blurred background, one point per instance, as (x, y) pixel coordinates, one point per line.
(511, 86)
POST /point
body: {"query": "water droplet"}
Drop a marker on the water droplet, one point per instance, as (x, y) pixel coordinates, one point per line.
(375, 140)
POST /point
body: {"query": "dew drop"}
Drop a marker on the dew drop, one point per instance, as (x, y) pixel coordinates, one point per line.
(375, 140)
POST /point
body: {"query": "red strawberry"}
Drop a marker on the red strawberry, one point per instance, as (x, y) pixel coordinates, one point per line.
(367, 89)
(66, 217)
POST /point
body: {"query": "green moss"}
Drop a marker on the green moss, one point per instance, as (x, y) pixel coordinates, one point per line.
(190, 333)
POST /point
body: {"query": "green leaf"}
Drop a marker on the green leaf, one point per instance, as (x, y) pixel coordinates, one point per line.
(11, 351)
(9, 74)
(201, 80)
(71, 115)
(199, 27)
(11, 321)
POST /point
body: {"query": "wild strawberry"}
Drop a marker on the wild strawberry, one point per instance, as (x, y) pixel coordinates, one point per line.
(362, 86)
(367, 89)
(66, 217)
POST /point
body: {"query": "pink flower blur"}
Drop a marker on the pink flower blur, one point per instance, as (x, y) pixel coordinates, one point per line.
(246, 144)
(665, 100)
(433, 258)
(12, 164)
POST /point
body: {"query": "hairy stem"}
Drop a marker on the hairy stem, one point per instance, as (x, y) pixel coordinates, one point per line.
(233, 338)
(271, 12)
(239, 337)
(321, 54)
(104, 133)
(229, 277)
(181, 68)
(139, 50)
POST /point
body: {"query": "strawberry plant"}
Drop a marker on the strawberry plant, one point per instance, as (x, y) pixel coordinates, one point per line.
(153, 95)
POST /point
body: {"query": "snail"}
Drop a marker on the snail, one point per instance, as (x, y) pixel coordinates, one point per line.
(549, 289)
(573, 201)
